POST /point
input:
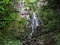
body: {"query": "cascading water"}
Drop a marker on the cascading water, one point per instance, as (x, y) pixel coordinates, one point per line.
(34, 24)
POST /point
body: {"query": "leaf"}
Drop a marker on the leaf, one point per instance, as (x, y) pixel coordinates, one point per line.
(31, 1)
(1, 7)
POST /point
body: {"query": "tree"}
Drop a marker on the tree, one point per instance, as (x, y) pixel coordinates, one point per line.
(7, 15)
(50, 15)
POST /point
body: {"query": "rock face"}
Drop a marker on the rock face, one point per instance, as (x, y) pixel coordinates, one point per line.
(20, 6)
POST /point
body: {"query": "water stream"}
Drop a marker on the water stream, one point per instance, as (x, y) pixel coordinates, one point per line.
(34, 24)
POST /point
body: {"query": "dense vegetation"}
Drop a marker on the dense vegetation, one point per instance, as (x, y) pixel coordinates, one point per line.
(13, 26)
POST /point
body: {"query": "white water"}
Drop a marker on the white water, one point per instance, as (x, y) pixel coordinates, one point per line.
(34, 24)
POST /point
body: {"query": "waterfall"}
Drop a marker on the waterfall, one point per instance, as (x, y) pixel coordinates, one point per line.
(34, 24)
(20, 6)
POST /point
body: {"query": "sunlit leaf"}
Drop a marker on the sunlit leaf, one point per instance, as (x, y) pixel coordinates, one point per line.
(1, 7)
(31, 1)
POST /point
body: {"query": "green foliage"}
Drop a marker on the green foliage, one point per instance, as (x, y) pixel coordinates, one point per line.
(50, 16)
(32, 4)
(53, 4)
(6, 1)
(6, 12)
(12, 24)
(7, 16)
(12, 42)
